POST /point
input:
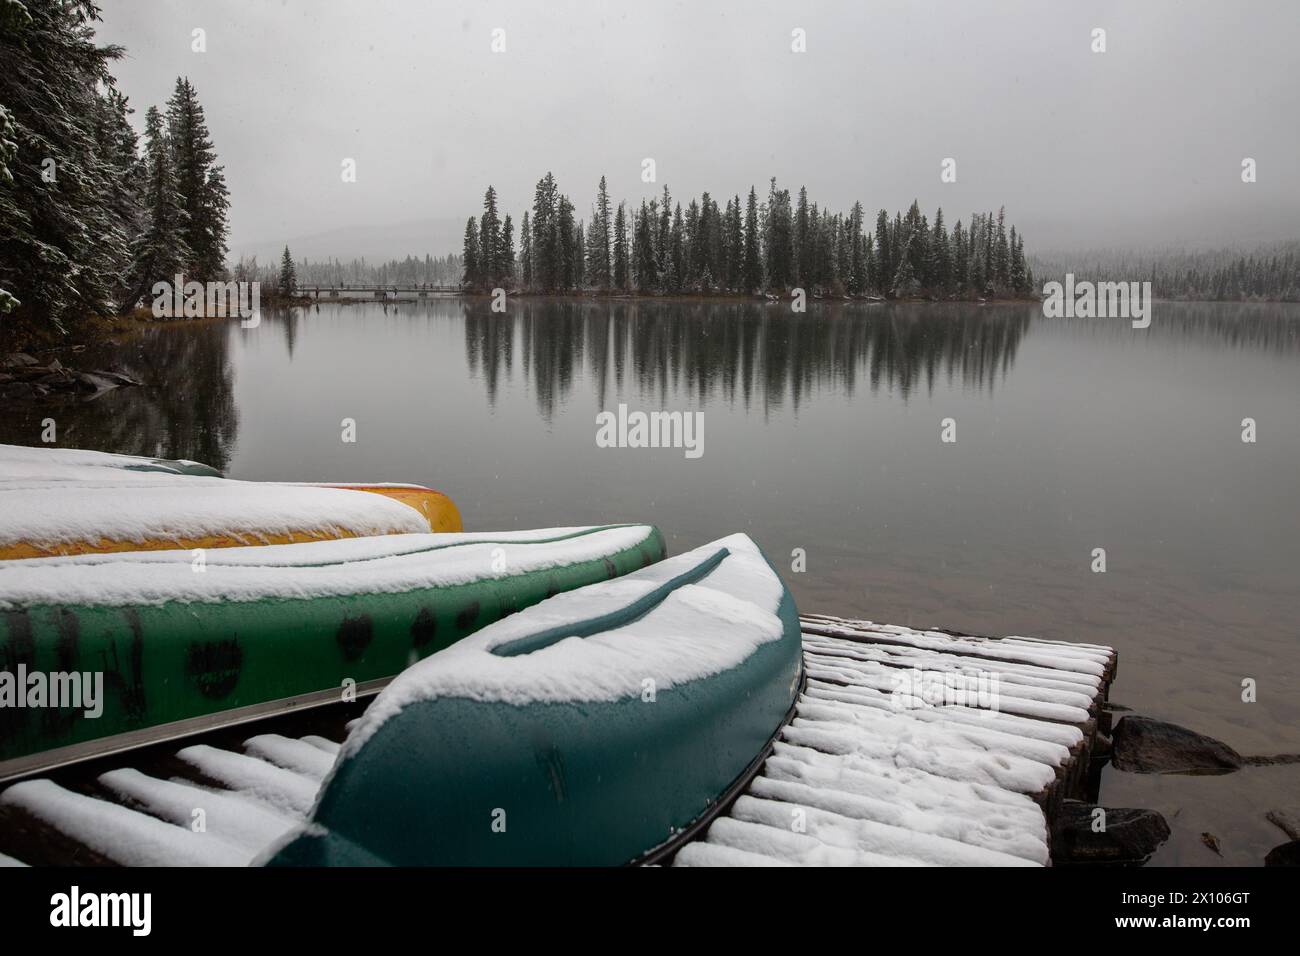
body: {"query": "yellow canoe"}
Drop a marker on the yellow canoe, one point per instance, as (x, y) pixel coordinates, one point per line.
(54, 505)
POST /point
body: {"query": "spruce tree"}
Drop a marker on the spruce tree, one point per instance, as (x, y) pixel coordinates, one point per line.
(288, 274)
(159, 252)
(489, 241)
(63, 244)
(526, 253)
(546, 237)
(200, 183)
(735, 239)
(620, 249)
(565, 244)
(472, 277)
(885, 262)
(751, 270)
(643, 253)
(507, 253)
(598, 244)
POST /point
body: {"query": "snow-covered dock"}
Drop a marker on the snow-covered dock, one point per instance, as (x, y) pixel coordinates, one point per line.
(918, 748)
(907, 748)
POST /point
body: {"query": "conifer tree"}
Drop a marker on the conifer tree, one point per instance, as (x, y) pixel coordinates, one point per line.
(489, 241)
(620, 249)
(200, 183)
(506, 274)
(546, 236)
(751, 270)
(735, 242)
(288, 274)
(526, 253)
(63, 246)
(159, 252)
(598, 239)
(884, 255)
(472, 277)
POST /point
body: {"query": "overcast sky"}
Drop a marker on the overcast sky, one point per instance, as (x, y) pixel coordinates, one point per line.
(1139, 145)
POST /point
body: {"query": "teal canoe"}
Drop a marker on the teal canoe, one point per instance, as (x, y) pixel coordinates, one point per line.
(176, 644)
(591, 729)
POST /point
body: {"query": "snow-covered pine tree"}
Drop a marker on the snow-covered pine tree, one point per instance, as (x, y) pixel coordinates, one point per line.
(489, 241)
(63, 246)
(598, 239)
(472, 277)
(200, 183)
(526, 253)
(507, 275)
(159, 252)
(288, 275)
(751, 269)
(620, 249)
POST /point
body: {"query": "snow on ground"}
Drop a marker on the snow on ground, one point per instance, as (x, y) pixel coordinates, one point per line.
(698, 630)
(387, 564)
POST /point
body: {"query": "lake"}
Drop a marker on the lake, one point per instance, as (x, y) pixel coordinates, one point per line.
(822, 432)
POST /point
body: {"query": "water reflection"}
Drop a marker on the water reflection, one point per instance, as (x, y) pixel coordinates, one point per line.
(760, 355)
(186, 408)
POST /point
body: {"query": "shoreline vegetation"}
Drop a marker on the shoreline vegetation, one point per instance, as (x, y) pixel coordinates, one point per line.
(92, 215)
(774, 247)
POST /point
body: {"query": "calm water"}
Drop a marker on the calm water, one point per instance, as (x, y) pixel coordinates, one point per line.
(822, 432)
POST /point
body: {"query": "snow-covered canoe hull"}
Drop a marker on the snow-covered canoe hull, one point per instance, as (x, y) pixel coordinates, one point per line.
(252, 630)
(591, 729)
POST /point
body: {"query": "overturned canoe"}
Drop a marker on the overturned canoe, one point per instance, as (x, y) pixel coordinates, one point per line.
(57, 502)
(49, 459)
(248, 631)
(594, 728)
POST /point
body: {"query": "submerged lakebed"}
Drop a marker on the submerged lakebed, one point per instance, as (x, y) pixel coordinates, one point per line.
(825, 439)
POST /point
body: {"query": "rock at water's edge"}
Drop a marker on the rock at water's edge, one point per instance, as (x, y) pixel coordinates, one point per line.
(1288, 854)
(1130, 837)
(1146, 745)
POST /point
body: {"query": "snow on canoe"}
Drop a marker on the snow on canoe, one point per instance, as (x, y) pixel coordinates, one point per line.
(252, 630)
(592, 728)
(59, 501)
(54, 459)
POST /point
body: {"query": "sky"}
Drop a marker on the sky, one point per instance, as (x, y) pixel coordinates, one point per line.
(1140, 146)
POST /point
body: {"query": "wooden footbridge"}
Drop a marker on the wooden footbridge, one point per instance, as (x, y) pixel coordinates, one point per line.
(392, 291)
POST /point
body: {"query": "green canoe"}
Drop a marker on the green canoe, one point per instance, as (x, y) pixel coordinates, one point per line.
(177, 646)
(591, 729)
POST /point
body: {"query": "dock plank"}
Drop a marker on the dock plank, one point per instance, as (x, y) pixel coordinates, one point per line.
(893, 759)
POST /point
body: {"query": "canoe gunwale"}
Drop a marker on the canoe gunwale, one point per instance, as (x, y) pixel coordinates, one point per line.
(663, 854)
(18, 768)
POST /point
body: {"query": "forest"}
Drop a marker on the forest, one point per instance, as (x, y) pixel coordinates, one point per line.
(740, 247)
(90, 216)
(1268, 273)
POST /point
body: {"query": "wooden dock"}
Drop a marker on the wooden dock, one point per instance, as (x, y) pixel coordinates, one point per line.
(919, 748)
(907, 747)
(350, 292)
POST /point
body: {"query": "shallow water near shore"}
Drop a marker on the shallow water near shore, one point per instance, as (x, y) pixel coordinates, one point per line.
(822, 432)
